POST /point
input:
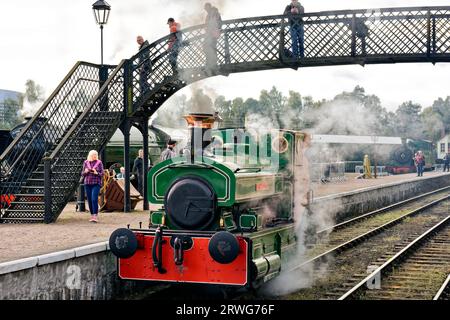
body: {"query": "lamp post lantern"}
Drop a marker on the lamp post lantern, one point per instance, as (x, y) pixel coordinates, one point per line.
(101, 13)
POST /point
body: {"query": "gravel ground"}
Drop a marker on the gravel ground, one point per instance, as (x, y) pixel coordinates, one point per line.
(72, 230)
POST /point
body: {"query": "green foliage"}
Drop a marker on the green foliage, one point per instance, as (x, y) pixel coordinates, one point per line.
(354, 112)
(34, 93)
(408, 120)
(9, 114)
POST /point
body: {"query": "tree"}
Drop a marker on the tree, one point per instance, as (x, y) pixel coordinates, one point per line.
(252, 106)
(294, 111)
(441, 108)
(273, 103)
(408, 120)
(32, 99)
(223, 106)
(9, 114)
(433, 126)
(33, 92)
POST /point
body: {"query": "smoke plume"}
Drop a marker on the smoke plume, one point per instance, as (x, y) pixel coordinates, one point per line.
(30, 108)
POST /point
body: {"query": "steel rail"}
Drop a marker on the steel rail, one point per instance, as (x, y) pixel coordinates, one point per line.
(359, 239)
(402, 255)
(378, 211)
(443, 288)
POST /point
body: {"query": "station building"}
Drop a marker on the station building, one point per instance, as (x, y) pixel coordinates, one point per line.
(443, 146)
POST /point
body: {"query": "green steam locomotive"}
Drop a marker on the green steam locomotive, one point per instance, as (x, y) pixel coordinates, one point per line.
(222, 214)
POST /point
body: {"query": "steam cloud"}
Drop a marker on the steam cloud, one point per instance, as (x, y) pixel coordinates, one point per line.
(30, 108)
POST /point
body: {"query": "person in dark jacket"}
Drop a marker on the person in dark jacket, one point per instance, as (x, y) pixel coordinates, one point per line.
(213, 26)
(296, 28)
(93, 174)
(138, 171)
(169, 152)
(447, 162)
(144, 64)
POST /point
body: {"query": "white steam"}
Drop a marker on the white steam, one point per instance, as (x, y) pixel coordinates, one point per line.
(30, 108)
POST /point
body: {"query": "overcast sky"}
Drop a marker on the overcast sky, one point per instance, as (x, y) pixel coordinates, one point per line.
(42, 40)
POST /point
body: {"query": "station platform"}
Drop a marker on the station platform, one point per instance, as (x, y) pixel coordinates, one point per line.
(73, 228)
(351, 183)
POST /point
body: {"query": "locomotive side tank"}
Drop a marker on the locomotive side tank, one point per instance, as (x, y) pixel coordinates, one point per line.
(220, 216)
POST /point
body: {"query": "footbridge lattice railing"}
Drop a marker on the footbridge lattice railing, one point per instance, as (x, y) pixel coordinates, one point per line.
(419, 34)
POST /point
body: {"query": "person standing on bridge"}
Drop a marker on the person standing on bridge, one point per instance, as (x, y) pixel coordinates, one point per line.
(213, 27)
(297, 31)
(175, 40)
(92, 173)
(144, 64)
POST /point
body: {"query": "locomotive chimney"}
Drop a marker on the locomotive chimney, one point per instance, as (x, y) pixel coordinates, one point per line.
(200, 125)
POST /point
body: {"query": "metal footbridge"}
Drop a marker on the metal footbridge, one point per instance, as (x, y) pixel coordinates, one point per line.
(40, 170)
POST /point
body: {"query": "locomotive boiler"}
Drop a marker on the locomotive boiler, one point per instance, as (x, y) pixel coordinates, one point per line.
(222, 213)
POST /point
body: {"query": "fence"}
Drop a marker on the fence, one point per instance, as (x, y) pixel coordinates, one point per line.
(381, 170)
(328, 172)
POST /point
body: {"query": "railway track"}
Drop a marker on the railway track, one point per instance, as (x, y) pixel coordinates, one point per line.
(444, 291)
(402, 205)
(350, 234)
(418, 271)
(338, 268)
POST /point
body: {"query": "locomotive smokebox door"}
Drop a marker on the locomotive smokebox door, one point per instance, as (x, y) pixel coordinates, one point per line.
(191, 204)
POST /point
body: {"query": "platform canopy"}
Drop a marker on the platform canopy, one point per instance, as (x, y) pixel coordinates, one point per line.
(341, 139)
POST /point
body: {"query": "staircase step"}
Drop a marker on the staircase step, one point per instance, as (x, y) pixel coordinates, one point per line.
(28, 195)
(42, 187)
(33, 203)
(28, 220)
(10, 211)
(33, 180)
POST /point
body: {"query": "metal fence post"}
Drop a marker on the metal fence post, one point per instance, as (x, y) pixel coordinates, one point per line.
(146, 166)
(428, 34)
(48, 215)
(282, 40)
(227, 48)
(434, 36)
(353, 45)
(127, 165)
(128, 88)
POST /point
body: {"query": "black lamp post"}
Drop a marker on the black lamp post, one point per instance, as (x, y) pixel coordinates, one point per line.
(101, 12)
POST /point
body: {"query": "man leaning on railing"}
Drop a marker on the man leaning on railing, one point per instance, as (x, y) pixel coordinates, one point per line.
(297, 31)
(144, 64)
